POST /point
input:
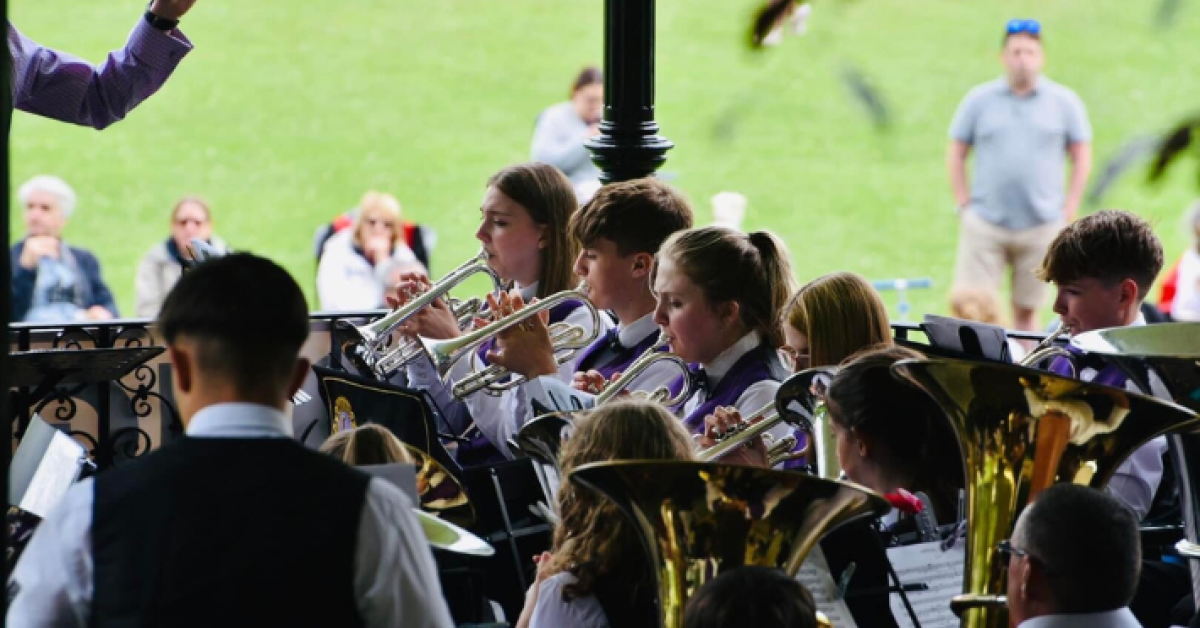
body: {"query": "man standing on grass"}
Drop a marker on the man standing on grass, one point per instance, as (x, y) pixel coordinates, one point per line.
(1019, 126)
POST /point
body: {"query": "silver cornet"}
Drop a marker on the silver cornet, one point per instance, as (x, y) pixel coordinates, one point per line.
(364, 345)
(567, 340)
(662, 394)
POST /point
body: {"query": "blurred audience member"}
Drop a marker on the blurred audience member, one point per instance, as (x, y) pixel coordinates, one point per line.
(563, 128)
(1185, 306)
(161, 267)
(356, 263)
(53, 281)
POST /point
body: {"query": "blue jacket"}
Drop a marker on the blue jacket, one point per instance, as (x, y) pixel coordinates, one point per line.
(95, 292)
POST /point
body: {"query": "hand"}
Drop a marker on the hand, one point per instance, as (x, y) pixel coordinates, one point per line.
(524, 348)
(378, 249)
(98, 313)
(594, 129)
(408, 287)
(592, 382)
(724, 420)
(435, 321)
(171, 9)
(37, 247)
(543, 571)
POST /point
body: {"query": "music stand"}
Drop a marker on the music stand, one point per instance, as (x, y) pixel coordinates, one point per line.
(43, 370)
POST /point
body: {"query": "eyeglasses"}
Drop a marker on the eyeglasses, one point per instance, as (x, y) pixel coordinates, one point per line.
(792, 359)
(1006, 550)
(1031, 27)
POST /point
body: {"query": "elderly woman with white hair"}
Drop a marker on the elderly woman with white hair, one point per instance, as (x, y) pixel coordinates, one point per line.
(53, 281)
(360, 263)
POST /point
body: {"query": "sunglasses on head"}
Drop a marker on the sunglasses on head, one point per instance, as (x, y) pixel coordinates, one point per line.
(1032, 27)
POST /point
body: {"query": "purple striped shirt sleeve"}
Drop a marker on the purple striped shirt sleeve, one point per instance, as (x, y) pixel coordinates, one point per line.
(64, 87)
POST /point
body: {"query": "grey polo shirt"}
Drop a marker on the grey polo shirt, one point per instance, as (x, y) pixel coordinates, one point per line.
(1020, 147)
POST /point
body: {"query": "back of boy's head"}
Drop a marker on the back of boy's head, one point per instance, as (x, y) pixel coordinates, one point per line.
(245, 316)
(637, 215)
(751, 596)
(1109, 246)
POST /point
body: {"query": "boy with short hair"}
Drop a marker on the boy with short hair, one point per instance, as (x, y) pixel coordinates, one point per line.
(1103, 266)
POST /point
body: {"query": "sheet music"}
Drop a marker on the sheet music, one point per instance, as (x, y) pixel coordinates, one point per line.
(814, 575)
(942, 571)
(55, 473)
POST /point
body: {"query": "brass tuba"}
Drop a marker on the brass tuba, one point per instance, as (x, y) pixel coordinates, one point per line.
(1167, 356)
(1020, 431)
(698, 519)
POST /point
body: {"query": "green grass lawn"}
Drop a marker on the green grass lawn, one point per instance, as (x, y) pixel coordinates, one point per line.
(286, 112)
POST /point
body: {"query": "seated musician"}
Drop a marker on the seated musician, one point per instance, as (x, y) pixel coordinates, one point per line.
(720, 293)
(620, 230)
(894, 439)
(366, 445)
(1073, 560)
(751, 596)
(598, 574)
(237, 524)
(1103, 266)
(524, 230)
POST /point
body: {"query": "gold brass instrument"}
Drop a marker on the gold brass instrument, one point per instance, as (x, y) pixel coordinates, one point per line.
(699, 519)
(794, 404)
(364, 346)
(1158, 357)
(567, 339)
(651, 357)
(1046, 349)
(1021, 430)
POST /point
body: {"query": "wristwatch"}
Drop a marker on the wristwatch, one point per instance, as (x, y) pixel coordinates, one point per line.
(161, 23)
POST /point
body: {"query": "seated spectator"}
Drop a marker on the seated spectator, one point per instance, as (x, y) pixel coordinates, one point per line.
(751, 596)
(53, 281)
(1186, 303)
(356, 262)
(563, 128)
(598, 574)
(1057, 576)
(982, 305)
(365, 445)
(161, 267)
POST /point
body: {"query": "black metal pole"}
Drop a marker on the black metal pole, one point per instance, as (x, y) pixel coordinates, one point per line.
(629, 146)
(6, 293)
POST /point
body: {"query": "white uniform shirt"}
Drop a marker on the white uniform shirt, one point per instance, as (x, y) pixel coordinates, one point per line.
(395, 579)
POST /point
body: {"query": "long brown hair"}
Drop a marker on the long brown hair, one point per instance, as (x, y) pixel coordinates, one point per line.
(840, 313)
(594, 539)
(728, 265)
(546, 193)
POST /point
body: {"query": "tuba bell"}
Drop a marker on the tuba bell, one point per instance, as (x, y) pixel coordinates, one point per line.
(1161, 359)
(698, 519)
(1021, 430)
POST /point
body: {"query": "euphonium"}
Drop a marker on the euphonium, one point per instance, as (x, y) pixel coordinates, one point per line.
(1021, 430)
(1166, 355)
(794, 404)
(363, 345)
(567, 339)
(699, 519)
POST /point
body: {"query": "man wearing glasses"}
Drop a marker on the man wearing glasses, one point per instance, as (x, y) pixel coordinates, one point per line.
(1019, 126)
(1073, 561)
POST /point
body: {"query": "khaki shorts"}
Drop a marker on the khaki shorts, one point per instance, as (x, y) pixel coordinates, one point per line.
(986, 250)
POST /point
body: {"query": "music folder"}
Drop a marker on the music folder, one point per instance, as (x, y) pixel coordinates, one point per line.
(972, 338)
(46, 464)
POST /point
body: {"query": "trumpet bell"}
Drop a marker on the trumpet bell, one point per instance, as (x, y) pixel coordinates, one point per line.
(1020, 430)
(699, 519)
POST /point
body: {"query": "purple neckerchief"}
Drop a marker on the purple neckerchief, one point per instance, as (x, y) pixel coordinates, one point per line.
(1106, 374)
(623, 358)
(558, 314)
(751, 368)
